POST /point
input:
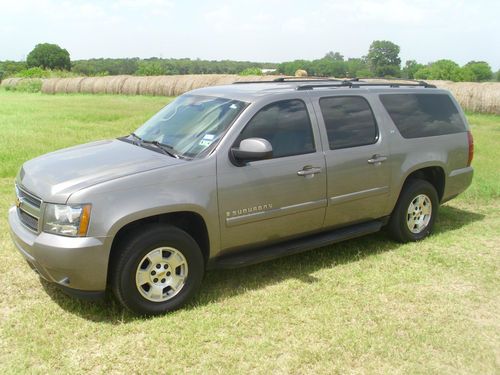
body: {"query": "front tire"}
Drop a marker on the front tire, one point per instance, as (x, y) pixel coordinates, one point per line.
(415, 212)
(158, 270)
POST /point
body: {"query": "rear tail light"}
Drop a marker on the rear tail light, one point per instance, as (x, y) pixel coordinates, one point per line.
(471, 147)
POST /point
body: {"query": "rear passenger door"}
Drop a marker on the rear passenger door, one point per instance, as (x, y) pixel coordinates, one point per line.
(356, 149)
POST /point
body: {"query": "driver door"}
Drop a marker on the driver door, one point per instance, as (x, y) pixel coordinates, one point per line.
(270, 200)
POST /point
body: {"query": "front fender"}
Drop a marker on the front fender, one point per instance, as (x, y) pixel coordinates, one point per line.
(122, 201)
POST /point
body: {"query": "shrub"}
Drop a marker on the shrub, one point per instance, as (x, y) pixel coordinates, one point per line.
(35, 72)
(38, 72)
(364, 73)
(26, 85)
(150, 68)
(251, 72)
(446, 70)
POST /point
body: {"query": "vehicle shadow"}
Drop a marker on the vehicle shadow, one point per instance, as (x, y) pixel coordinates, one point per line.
(223, 284)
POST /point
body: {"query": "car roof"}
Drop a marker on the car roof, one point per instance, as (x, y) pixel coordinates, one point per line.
(253, 91)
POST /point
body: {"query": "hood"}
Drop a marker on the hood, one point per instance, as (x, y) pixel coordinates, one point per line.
(55, 176)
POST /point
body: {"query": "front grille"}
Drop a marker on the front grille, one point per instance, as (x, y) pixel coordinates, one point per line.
(28, 208)
(28, 220)
(28, 197)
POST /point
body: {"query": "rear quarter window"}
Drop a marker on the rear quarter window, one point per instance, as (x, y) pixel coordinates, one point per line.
(423, 115)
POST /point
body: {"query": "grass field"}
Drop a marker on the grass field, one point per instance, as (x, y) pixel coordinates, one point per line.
(364, 306)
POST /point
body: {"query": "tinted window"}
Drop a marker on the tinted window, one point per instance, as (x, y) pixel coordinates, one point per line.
(349, 121)
(423, 115)
(285, 125)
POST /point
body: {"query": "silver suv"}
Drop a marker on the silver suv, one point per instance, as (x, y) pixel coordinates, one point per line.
(234, 175)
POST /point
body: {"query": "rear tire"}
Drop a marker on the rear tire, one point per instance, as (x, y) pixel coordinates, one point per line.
(415, 212)
(159, 268)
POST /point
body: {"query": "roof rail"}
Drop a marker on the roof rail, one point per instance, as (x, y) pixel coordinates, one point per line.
(357, 83)
(314, 82)
(392, 79)
(306, 79)
(292, 79)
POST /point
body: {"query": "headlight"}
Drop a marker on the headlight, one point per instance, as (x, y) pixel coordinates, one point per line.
(67, 220)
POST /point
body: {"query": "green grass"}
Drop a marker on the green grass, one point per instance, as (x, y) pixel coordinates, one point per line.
(364, 306)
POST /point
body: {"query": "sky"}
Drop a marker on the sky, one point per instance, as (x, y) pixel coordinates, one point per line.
(255, 30)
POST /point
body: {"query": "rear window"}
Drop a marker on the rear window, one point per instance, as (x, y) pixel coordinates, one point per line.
(423, 115)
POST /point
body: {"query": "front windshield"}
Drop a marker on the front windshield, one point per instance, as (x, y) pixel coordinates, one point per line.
(191, 124)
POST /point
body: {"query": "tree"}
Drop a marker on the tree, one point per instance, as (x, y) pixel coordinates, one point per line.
(255, 71)
(10, 68)
(383, 58)
(335, 56)
(150, 68)
(477, 71)
(446, 70)
(49, 56)
(423, 73)
(411, 67)
(355, 65)
(326, 67)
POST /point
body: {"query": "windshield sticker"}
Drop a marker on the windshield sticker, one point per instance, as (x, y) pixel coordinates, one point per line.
(209, 137)
(205, 142)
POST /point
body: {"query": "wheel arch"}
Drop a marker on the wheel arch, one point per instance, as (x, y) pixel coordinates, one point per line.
(189, 221)
(434, 174)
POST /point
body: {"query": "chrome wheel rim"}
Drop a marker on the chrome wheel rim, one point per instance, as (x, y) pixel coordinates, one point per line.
(161, 274)
(419, 213)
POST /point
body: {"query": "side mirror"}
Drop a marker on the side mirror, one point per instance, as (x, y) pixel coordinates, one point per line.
(252, 149)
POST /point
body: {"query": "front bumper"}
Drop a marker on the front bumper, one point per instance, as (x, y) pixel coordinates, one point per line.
(78, 264)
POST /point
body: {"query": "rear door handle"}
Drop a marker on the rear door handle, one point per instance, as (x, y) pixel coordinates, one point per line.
(309, 170)
(377, 159)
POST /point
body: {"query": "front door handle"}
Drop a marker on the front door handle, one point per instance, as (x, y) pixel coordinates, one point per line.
(377, 159)
(309, 170)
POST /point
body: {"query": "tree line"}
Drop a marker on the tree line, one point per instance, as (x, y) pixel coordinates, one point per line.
(382, 60)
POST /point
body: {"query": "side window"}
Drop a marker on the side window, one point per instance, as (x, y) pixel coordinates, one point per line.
(286, 125)
(423, 115)
(349, 121)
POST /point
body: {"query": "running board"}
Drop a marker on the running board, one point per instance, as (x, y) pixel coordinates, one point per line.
(249, 257)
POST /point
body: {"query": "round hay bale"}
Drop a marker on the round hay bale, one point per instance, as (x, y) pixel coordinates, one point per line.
(10, 82)
(148, 85)
(131, 86)
(161, 85)
(474, 96)
(186, 83)
(61, 85)
(73, 85)
(114, 84)
(100, 84)
(300, 73)
(49, 85)
(87, 85)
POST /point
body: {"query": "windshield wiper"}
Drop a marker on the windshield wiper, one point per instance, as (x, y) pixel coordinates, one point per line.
(136, 137)
(166, 149)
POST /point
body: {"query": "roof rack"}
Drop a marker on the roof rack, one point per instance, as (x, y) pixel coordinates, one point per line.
(316, 82)
(293, 79)
(357, 83)
(306, 79)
